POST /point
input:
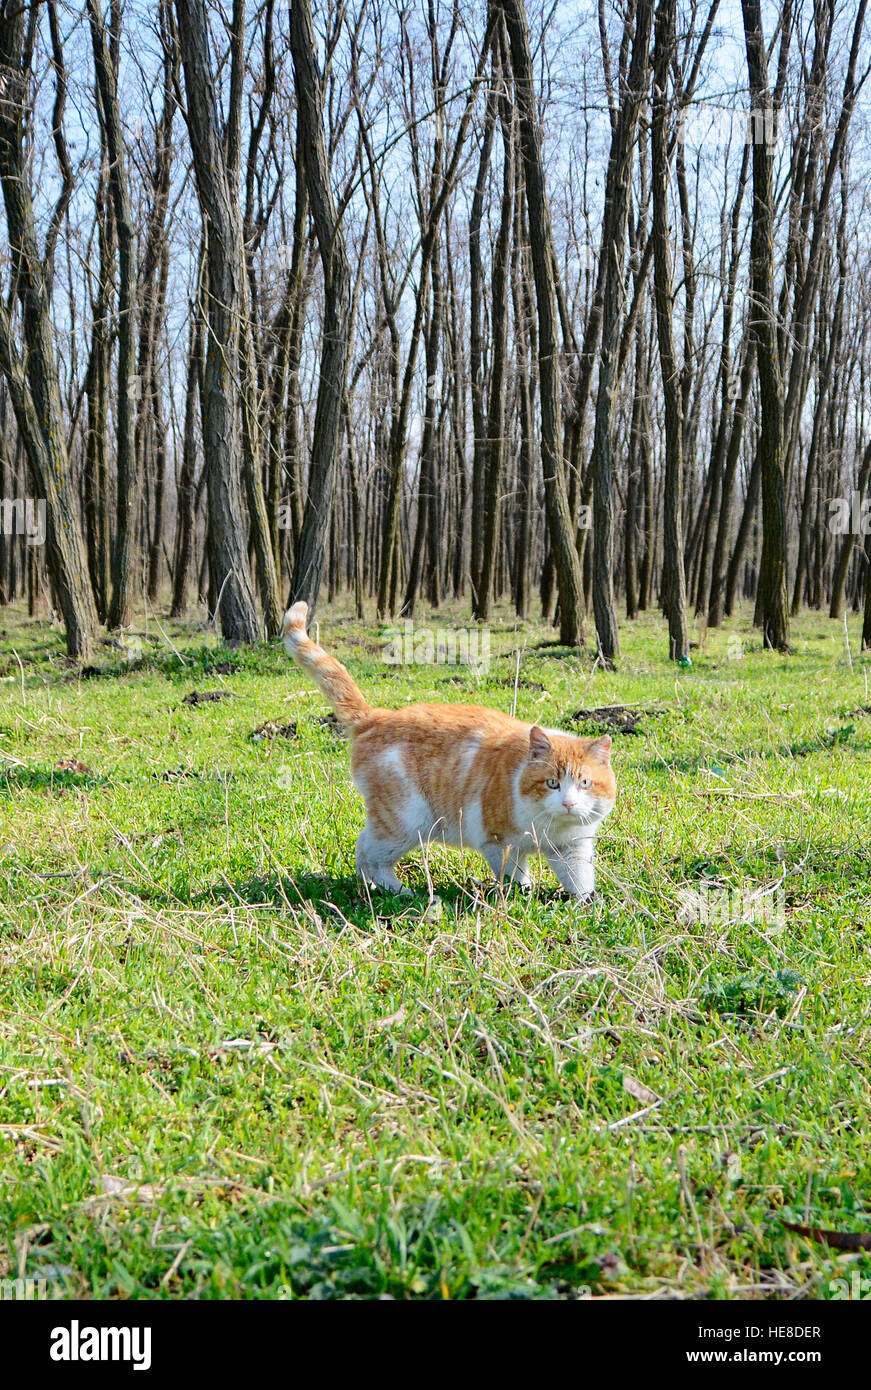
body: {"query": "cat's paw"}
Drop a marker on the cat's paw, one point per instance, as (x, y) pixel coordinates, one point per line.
(397, 890)
(505, 888)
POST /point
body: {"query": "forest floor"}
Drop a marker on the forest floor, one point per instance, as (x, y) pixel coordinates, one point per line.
(225, 1071)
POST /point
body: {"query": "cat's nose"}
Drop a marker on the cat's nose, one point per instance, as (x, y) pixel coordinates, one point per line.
(570, 802)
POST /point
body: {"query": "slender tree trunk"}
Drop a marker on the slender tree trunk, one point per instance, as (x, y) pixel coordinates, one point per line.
(336, 344)
(866, 622)
(842, 564)
(724, 520)
(184, 535)
(673, 581)
(560, 524)
(772, 577)
(476, 338)
(33, 388)
(96, 467)
(293, 444)
(495, 457)
(225, 273)
(613, 249)
(523, 314)
(129, 491)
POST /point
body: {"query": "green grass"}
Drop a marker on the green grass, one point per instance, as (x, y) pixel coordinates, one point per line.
(227, 1072)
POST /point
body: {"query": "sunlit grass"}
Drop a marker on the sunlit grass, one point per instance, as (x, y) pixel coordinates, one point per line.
(225, 1070)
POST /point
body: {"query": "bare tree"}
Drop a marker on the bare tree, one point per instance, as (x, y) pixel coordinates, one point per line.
(32, 376)
(772, 582)
(640, 13)
(129, 489)
(673, 582)
(225, 274)
(335, 349)
(559, 519)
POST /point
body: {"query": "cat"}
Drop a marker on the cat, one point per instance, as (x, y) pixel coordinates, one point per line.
(467, 776)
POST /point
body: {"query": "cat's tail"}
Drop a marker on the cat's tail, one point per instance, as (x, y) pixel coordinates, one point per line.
(329, 675)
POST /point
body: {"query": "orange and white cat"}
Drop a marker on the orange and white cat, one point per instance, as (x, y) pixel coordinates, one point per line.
(466, 776)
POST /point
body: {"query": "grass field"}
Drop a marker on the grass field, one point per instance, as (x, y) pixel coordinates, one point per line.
(225, 1071)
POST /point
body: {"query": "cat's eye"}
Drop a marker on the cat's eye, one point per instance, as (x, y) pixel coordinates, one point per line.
(553, 783)
(584, 780)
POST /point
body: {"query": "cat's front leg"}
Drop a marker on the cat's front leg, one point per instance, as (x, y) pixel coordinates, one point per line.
(574, 868)
(508, 864)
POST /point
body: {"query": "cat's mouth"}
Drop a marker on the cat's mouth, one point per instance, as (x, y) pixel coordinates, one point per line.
(592, 815)
(578, 817)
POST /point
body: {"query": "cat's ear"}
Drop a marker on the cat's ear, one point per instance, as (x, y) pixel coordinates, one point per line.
(539, 744)
(599, 749)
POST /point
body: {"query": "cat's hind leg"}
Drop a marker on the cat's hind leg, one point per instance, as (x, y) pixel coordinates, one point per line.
(376, 855)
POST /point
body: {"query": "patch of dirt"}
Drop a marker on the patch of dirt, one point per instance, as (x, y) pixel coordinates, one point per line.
(73, 765)
(88, 673)
(507, 683)
(334, 724)
(617, 719)
(206, 697)
(176, 774)
(270, 730)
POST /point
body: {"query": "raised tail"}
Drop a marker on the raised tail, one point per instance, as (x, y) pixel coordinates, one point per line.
(329, 675)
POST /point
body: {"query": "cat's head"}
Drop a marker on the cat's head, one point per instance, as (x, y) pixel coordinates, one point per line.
(569, 779)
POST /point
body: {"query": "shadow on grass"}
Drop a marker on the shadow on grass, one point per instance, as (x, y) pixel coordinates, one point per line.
(337, 897)
(13, 779)
(345, 892)
(842, 737)
(557, 649)
(824, 868)
(341, 897)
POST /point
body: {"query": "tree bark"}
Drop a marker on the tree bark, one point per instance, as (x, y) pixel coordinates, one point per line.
(33, 389)
(225, 273)
(772, 578)
(129, 478)
(613, 249)
(560, 525)
(673, 579)
(495, 453)
(336, 345)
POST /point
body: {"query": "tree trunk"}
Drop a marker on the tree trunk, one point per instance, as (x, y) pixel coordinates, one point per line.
(613, 249)
(772, 576)
(842, 564)
(336, 344)
(718, 599)
(476, 338)
(560, 524)
(185, 523)
(225, 274)
(673, 580)
(495, 454)
(34, 390)
(96, 467)
(129, 490)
